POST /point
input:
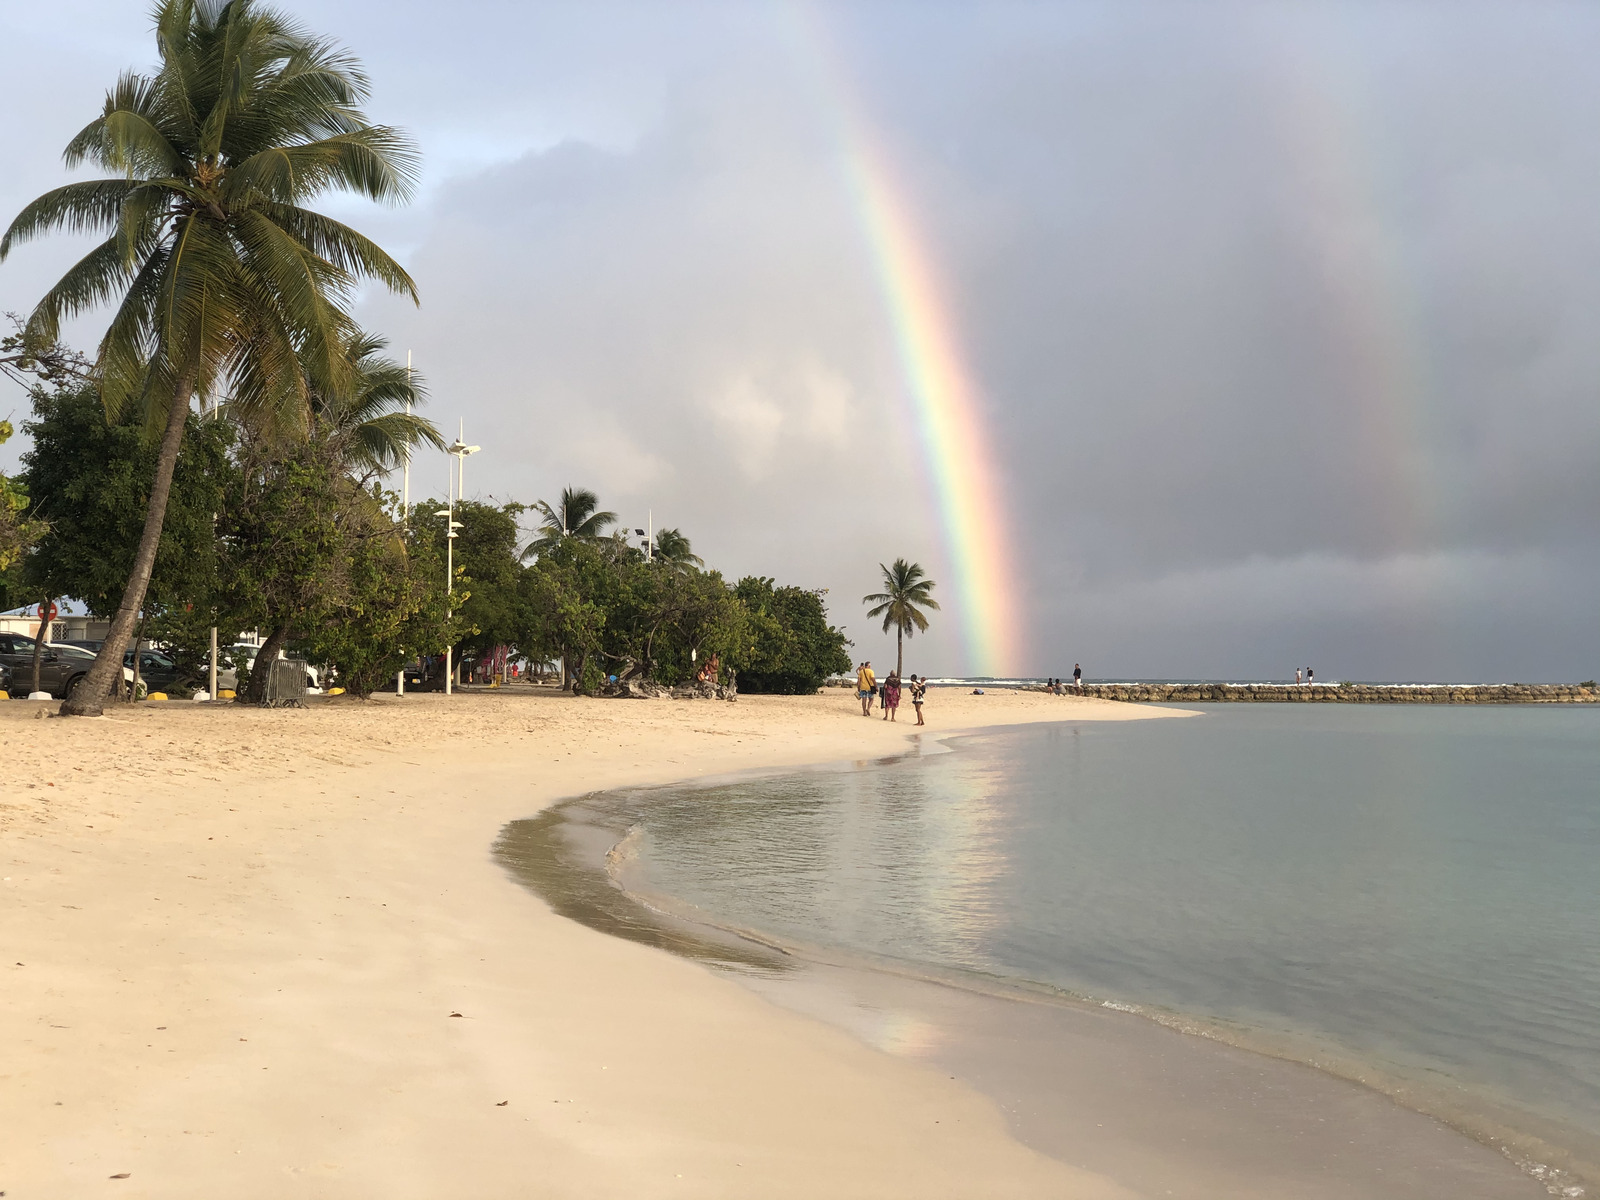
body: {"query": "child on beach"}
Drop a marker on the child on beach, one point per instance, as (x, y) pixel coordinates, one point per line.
(918, 689)
(891, 696)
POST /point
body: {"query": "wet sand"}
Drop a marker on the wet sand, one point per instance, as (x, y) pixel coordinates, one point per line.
(1164, 1112)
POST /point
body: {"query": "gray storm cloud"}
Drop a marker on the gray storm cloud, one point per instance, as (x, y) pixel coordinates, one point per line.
(1285, 316)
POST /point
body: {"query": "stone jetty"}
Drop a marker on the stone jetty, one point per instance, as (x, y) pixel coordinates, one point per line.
(1343, 693)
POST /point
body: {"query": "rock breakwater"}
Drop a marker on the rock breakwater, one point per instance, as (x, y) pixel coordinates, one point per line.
(1342, 693)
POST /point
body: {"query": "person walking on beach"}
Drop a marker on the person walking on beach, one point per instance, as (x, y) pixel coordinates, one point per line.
(891, 697)
(866, 685)
(919, 689)
(1297, 676)
(1077, 676)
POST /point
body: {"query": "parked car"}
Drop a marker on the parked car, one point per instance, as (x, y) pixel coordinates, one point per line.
(425, 676)
(160, 673)
(61, 667)
(5, 679)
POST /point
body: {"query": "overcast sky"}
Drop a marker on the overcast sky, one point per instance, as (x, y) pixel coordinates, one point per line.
(1285, 318)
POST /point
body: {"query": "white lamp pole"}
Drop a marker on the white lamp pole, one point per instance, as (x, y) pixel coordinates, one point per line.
(459, 452)
(405, 507)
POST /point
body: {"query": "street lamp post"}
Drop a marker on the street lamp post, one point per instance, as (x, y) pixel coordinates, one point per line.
(451, 525)
(405, 506)
(459, 451)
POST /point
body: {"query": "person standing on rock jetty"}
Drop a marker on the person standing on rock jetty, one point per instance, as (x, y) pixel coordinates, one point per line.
(1297, 676)
(1311, 676)
(1077, 676)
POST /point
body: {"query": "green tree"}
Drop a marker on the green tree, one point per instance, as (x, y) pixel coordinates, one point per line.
(18, 531)
(90, 480)
(391, 606)
(488, 600)
(907, 590)
(574, 516)
(224, 276)
(285, 535)
(789, 647)
(290, 530)
(567, 597)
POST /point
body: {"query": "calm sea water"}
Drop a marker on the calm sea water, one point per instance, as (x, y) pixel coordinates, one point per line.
(1411, 894)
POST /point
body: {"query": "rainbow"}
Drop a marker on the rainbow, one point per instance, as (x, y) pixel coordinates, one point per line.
(1331, 145)
(955, 444)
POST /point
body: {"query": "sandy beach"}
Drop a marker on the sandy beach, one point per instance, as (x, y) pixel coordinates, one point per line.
(269, 953)
(234, 939)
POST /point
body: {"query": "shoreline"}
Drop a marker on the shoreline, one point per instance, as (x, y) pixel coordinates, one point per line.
(242, 934)
(841, 986)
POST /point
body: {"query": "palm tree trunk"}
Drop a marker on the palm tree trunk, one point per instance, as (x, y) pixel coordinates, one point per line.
(899, 653)
(89, 698)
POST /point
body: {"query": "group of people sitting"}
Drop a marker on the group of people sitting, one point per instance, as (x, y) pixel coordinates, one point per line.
(1059, 687)
(869, 690)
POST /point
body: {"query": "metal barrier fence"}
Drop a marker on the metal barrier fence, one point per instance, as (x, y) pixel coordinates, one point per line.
(286, 683)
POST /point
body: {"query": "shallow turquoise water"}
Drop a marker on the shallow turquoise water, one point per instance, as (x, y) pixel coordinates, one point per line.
(1414, 891)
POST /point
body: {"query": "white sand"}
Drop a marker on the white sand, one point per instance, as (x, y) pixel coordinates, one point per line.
(232, 941)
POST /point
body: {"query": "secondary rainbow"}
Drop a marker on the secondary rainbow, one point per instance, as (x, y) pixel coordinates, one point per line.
(956, 446)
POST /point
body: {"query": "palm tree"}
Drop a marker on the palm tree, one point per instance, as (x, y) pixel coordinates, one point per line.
(226, 282)
(370, 426)
(906, 592)
(672, 547)
(573, 516)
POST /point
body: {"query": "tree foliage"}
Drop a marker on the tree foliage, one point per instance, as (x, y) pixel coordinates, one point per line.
(18, 530)
(790, 648)
(222, 278)
(89, 480)
(486, 597)
(390, 607)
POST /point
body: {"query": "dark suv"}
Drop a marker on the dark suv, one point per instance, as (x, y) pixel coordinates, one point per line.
(60, 668)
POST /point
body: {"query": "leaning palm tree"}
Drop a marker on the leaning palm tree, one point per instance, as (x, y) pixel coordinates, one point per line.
(673, 548)
(226, 281)
(907, 590)
(573, 516)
